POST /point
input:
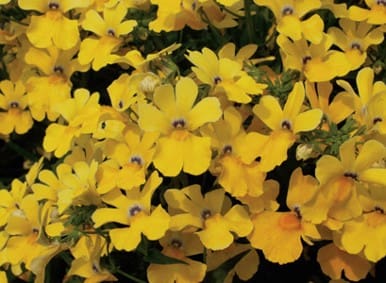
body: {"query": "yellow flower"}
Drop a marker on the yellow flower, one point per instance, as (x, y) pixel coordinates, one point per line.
(336, 109)
(216, 230)
(224, 76)
(14, 101)
(80, 187)
(48, 29)
(238, 172)
(3, 2)
(334, 261)
(86, 262)
(317, 62)
(339, 178)
(376, 15)
(81, 114)
(11, 199)
(245, 268)
(53, 86)
(367, 91)
(176, 118)
(133, 210)
(133, 156)
(279, 234)
(339, 10)
(289, 16)
(354, 39)
(109, 29)
(285, 124)
(178, 245)
(174, 15)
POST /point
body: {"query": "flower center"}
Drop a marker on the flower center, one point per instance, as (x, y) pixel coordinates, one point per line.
(205, 214)
(217, 80)
(175, 243)
(287, 10)
(306, 59)
(351, 175)
(14, 104)
(179, 123)
(53, 5)
(111, 32)
(136, 160)
(134, 210)
(356, 45)
(289, 221)
(381, 2)
(286, 125)
(58, 70)
(227, 149)
(377, 120)
(379, 209)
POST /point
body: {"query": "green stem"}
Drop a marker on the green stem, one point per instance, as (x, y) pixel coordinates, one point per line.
(228, 10)
(128, 276)
(249, 20)
(21, 151)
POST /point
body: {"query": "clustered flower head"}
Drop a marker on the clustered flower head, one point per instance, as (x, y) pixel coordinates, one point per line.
(161, 152)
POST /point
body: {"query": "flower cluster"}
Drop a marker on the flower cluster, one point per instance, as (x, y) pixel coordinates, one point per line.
(167, 158)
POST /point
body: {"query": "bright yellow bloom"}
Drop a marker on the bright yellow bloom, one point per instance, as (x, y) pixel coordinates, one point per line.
(133, 210)
(86, 262)
(224, 75)
(238, 172)
(178, 245)
(339, 178)
(14, 101)
(334, 261)
(354, 39)
(48, 29)
(11, 199)
(133, 156)
(367, 91)
(216, 231)
(81, 114)
(335, 110)
(53, 86)
(289, 21)
(279, 234)
(376, 15)
(3, 2)
(339, 10)
(176, 117)
(285, 124)
(109, 29)
(317, 62)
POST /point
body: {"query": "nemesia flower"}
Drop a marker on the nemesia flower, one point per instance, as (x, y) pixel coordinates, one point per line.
(216, 230)
(224, 76)
(245, 268)
(334, 261)
(3, 2)
(339, 178)
(367, 89)
(178, 245)
(14, 101)
(339, 10)
(48, 29)
(134, 211)
(176, 117)
(288, 16)
(375, 15)
(133, 156)
(109, 29)
(336, 110)
(86, 263)
(53, 85)
(317, 62)
(366, 233)
(354, 39)
(81, 114)
(11, 199)
(279, 234)
(238, 172)
(285, 124)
